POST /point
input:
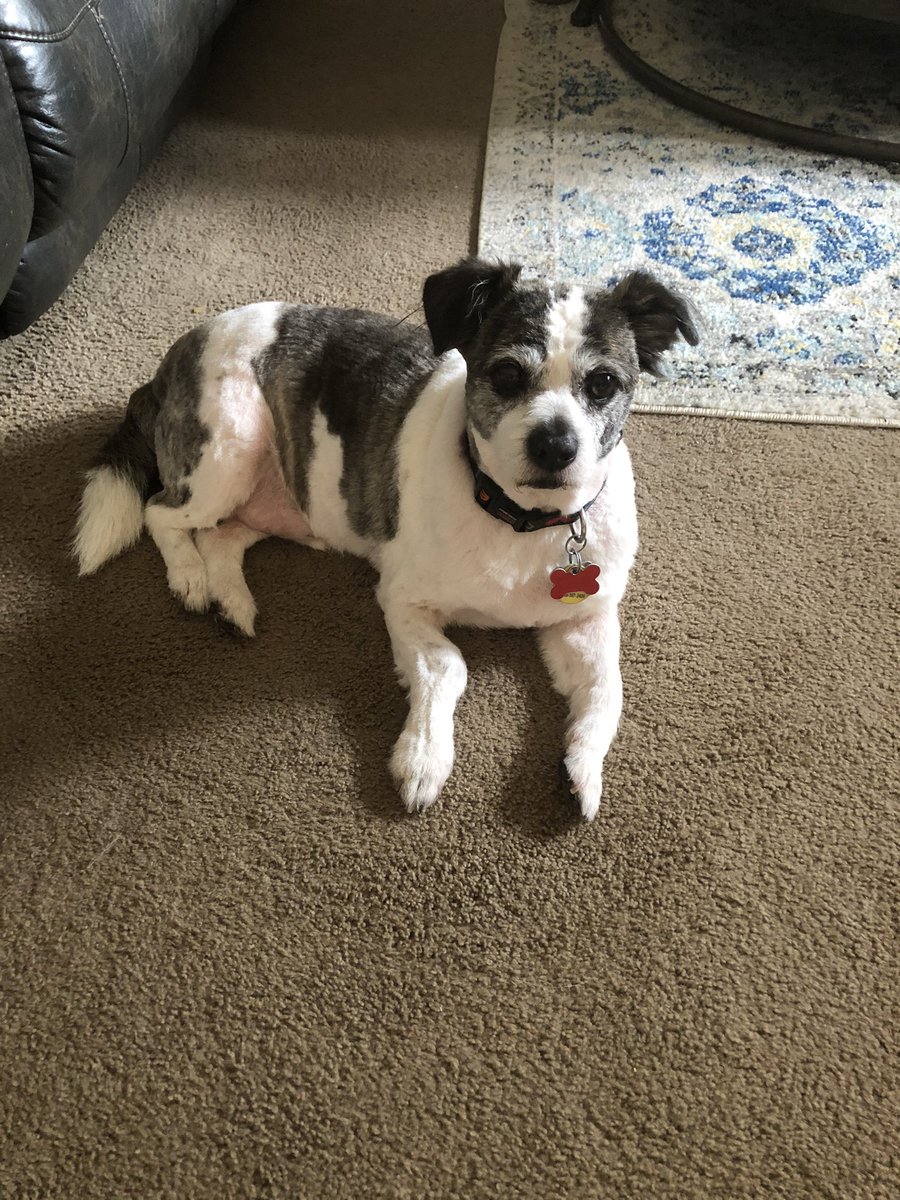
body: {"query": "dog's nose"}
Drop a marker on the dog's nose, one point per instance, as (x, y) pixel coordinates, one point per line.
(552, 447)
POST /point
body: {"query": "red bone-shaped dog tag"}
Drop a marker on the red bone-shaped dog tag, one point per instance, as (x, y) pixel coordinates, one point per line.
(571, 585)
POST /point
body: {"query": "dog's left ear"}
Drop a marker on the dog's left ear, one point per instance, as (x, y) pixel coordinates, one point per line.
(457, 300)
(656, 316)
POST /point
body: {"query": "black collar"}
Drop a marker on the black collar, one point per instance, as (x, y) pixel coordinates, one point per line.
(491, 497)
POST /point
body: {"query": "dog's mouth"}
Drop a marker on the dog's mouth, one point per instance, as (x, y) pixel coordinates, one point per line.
(544, 483)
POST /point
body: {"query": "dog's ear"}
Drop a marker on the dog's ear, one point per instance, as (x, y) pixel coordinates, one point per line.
(656, 316)
(457, 300)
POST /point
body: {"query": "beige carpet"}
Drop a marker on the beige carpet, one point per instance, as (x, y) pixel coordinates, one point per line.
(228, 966)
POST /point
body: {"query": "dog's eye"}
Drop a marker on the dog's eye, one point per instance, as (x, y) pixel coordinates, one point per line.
(508, 378)
(600, 385)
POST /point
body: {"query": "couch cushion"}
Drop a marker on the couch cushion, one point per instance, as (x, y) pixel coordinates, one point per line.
(70, 100)
(89, 80)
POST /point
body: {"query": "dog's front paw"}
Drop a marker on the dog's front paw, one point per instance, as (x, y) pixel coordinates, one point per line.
(582, 768)
(189, 584)
(420, 768)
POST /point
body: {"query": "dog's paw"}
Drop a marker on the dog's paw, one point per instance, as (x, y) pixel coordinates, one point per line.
(237, 607)
(582, 772)
(420, 768)
(188, 583)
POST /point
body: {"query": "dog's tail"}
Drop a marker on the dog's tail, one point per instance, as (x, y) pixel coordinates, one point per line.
(120, 481)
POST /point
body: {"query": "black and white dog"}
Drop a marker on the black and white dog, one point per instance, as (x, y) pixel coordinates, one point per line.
(473, 469)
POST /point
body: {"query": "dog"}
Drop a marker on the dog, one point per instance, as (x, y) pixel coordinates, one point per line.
(479, 467)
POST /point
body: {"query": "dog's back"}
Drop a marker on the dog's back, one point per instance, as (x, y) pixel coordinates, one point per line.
(279, 379)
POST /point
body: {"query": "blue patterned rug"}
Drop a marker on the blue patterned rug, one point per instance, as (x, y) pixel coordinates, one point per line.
(793, 259)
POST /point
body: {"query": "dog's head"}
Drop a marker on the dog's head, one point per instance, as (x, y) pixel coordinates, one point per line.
(551, 370)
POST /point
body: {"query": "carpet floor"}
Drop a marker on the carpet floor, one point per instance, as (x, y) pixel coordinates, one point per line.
(229, 966)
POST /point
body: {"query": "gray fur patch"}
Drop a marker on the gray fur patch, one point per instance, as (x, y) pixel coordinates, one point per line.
(281, 371)
(519, 320)
(609, 344)
(129, 449)
(609, 336)
(180, 435)
(517, 329)
(363, 372)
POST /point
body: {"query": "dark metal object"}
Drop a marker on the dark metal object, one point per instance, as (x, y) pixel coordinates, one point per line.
(869, 149)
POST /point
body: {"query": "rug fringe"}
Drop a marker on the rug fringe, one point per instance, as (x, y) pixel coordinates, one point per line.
(741, 414)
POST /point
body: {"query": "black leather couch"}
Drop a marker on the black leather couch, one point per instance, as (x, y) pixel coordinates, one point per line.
(88, 91)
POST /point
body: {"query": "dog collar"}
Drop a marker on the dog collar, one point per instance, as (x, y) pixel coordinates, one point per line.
(490, 496)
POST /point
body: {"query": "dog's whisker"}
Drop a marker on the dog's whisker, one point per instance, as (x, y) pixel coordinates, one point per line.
(412, 313)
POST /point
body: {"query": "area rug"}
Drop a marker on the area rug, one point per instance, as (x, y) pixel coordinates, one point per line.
(792, 258)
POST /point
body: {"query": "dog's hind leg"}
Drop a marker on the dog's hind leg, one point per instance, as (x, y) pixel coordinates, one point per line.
(222, 550)
(212, 439)
(170, 524)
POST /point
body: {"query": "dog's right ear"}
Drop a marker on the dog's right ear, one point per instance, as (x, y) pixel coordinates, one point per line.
(457, 300)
